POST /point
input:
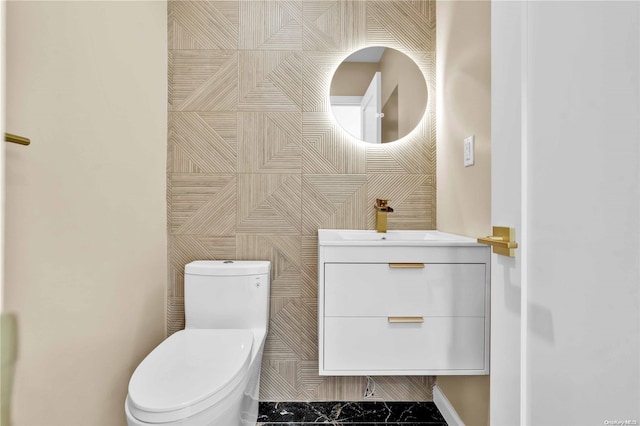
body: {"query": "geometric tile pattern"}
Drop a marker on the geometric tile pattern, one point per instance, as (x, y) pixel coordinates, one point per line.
(334, 25)
(203, 204)
(404, 25)
(334, 201)
(203, 25)
(327, 149)
(202, 142)
(270, 25)
(309, 264)
(402, 157)
(270, 142)
(318, 69)
(269, 80)
(256, 163)
(269, 204)
(203, 80)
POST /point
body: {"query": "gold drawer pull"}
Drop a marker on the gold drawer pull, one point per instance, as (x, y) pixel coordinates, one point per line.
(406, 265)
(406, 319)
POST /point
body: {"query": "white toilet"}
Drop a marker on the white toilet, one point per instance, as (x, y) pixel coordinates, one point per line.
(208, 373)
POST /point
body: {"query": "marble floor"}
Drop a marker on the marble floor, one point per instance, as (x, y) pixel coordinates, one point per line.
(350, 413)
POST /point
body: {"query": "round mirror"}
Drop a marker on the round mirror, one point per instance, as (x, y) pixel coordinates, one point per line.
(378, 94)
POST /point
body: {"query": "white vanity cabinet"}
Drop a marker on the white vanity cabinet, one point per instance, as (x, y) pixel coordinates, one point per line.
(400, 306)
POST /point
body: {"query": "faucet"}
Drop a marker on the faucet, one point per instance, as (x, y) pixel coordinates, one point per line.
(381, 214)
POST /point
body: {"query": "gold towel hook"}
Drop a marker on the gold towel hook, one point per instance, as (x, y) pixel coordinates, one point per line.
(8, 137)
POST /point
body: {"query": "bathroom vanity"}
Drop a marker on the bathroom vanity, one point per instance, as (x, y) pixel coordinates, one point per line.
(402, 303)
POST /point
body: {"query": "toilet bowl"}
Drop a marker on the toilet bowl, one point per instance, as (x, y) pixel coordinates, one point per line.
(208, 373)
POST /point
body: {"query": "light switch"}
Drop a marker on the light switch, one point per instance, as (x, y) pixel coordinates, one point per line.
(469, 148)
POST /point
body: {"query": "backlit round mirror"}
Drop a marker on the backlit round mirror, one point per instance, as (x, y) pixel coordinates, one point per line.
(378, 94)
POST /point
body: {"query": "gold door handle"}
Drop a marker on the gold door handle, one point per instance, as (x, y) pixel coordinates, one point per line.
(406, 265)
(8, 137)
(497, 242)
(502, 241)
(405, 319)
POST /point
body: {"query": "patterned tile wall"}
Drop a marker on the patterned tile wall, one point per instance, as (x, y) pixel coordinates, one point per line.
(256, 164)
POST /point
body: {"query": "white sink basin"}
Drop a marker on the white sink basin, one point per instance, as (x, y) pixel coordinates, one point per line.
(348, 237)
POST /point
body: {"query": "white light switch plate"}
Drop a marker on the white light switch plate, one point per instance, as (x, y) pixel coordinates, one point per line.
(469, 148)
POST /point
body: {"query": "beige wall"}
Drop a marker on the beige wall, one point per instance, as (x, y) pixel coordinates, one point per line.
(464, 105)
(464, 109)
(85, 203)
(257, 166)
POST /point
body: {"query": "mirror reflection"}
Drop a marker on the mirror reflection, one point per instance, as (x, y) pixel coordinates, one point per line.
(378, 94)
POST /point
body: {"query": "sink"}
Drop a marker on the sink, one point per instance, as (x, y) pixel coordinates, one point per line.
(412, 238)
(390, 235)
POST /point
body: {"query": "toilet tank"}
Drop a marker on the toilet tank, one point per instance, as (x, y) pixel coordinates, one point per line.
(226, 294)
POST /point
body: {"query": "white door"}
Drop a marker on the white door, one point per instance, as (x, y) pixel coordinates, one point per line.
(506, 210)
(371, 107)
(566, 174)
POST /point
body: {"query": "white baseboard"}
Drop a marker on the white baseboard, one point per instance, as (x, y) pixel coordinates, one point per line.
(445, 407)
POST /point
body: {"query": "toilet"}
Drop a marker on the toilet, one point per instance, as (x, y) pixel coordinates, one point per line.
(209, 373)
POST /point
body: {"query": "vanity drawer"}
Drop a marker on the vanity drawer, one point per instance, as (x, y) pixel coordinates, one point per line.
(377, 289)
(374, 345)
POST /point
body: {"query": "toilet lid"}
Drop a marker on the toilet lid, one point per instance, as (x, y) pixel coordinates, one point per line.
(189, 367)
